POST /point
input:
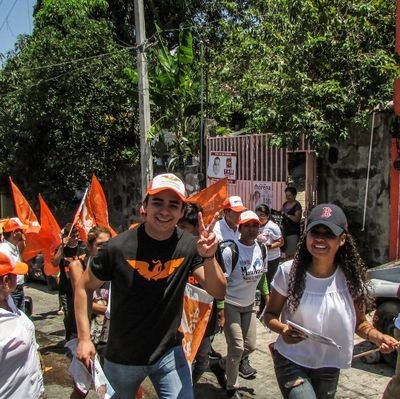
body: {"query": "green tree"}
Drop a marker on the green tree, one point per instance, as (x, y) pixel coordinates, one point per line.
(294, 67)
(66, 107)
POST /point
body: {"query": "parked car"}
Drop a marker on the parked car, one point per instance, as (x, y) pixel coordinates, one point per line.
(385, 284)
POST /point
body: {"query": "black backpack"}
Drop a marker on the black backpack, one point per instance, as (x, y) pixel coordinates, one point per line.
(235, 253)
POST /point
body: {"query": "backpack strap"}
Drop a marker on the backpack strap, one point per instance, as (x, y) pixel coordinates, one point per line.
(263, 250)
(235, 253)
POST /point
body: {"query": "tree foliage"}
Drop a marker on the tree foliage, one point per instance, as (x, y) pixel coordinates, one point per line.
(311, 67)
(66, 109)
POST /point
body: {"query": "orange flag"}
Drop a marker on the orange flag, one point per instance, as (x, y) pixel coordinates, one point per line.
(50, 233)
(24, 210)
(93, 210)
(211, 198)
(45, 241)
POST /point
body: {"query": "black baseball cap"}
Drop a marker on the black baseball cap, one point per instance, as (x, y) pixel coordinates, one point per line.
(329, 215)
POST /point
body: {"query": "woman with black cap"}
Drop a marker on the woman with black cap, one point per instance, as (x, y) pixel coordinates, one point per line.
(324, 291)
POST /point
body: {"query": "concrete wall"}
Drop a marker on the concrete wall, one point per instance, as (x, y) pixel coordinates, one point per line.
(124, 194)
(342, 179)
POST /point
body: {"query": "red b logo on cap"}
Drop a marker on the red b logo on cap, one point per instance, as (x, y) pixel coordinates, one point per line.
(326, 212)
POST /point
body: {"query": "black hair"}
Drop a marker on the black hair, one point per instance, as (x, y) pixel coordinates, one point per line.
(67, 228)
(291, 190)
(263, 208)
(347, 258)
(191, 214)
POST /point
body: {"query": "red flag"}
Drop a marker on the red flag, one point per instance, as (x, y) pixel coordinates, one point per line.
(50, 233)
(211, 198)
(24, 210)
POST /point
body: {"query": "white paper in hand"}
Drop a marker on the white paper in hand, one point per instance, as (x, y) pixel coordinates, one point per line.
(322, 339)
(102, 386)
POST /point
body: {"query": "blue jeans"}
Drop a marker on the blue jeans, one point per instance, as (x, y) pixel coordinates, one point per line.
(298, 382)
(170, 376)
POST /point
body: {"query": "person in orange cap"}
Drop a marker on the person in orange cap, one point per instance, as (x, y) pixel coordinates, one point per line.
(20, 371)
(13, 245)
(148, 268)
(227, 227)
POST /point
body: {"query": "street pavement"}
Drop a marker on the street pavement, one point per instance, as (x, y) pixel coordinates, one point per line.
(361, 381)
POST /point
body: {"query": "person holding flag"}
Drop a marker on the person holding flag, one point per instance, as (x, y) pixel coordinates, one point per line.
(70, 249)
(149, 267)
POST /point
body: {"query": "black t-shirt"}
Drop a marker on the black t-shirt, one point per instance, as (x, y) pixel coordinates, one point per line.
(288, 226)
(70, 254)
(148, 282)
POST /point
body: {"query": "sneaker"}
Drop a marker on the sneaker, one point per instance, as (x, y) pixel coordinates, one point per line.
(233, 394)
(60, 312)
(213, 355)
(219, 372)
(245, 370)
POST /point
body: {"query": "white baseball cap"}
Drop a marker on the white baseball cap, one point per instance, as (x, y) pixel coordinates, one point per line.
(249, 216)
(235, 203)
(167, 181)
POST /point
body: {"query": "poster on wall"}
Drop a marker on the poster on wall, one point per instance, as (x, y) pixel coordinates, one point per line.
(262, 194)
(222, 164)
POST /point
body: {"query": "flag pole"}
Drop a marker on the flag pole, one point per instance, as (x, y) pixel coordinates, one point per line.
(79, 210)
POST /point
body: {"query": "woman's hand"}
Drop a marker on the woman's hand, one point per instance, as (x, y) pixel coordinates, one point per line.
(388, 344)
(291, 335)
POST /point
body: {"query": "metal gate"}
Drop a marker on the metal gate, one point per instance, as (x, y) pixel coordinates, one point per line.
(258, 161)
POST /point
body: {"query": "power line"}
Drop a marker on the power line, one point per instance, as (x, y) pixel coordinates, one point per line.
(6, 19)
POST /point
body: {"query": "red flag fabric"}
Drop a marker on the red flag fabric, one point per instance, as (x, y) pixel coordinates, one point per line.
(93, 210)
(24, 210)
(211, 198)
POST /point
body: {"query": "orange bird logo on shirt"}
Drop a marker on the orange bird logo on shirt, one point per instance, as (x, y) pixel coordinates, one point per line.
(155, 270)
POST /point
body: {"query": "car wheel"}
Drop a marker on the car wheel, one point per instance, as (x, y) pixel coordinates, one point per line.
(384, 322)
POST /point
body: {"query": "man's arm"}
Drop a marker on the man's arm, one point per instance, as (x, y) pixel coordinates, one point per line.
(211, 278)
(209, 275)
(83, 301)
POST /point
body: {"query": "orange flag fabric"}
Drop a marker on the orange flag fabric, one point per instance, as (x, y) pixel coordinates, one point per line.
(93, 210)
(211, 198)
(24, 210)
(45, 241)
(197, 306)
(50, 233)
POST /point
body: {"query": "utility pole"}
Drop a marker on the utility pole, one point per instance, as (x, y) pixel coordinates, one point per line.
(146, 159)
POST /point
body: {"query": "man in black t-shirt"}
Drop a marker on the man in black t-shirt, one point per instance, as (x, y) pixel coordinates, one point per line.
(149, 267)
(70, 249)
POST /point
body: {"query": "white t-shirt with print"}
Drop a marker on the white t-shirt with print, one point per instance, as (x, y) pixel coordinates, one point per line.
(326, 307)
(270, 233)
(242, 282)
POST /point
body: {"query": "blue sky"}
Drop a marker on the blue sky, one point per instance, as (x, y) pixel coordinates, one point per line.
(15, 18)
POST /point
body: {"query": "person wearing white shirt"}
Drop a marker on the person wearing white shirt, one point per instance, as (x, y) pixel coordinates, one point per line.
(227, 227)
(242, 279)
(270, 235)
(20, 371)
(323, 290)
(13, 245)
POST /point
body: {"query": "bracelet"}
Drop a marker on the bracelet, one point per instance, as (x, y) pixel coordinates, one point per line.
(208, 257)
